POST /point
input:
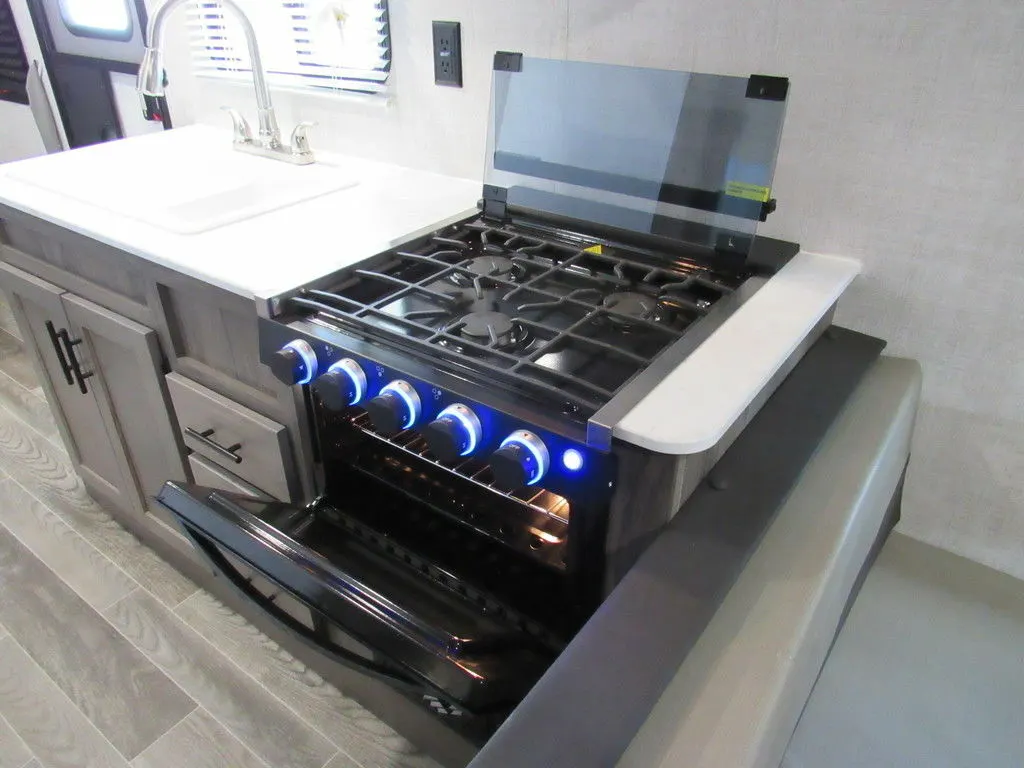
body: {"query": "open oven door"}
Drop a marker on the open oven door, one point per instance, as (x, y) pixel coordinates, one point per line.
(354, 604)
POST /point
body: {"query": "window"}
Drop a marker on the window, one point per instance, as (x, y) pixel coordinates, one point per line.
(334, 45)
(13, 64)
(108, 19)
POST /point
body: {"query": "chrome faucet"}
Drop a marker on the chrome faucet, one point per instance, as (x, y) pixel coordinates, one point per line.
(268, 143)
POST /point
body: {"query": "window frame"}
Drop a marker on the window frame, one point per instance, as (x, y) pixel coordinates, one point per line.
(95, 33)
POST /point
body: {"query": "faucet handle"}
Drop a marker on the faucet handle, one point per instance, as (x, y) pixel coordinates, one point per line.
(243, 133)
(300, 138)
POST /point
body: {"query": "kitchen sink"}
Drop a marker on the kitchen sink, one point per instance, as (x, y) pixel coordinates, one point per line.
(200, 185)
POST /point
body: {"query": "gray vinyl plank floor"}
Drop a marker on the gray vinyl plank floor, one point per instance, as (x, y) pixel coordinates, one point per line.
(111, 658)
(14, 753)
(352, 728)
(198, 741)
(273, 731)
(928, 670)
(53, 728)
(45, 471)
(121, 691)
(81, 566)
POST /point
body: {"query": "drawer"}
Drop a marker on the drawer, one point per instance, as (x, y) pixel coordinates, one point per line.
(234, 437)
(211, 475)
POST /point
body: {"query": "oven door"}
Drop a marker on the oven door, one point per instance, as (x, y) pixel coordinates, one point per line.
(323, 584)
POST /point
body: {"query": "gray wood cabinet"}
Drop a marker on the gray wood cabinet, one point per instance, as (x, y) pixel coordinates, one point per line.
(136, 328)
(128, 382)
(104, 379)
(39, 309)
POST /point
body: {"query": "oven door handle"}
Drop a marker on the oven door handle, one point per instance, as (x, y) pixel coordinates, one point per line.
(316, 639)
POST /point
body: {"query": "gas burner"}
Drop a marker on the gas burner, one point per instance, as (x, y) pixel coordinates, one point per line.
(492, 329)
(624, 306)
(491, 266)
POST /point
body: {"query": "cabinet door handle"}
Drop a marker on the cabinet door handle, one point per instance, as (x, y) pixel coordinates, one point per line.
(55, 338)
(76, 367)
(203, 438)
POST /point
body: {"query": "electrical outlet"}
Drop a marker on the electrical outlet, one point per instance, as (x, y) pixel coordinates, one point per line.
(448, 53)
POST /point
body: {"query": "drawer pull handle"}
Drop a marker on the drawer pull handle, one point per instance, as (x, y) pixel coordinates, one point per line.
(203, 438)
(55, 339)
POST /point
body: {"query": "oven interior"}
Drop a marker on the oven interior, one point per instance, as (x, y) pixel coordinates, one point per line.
(520, 557)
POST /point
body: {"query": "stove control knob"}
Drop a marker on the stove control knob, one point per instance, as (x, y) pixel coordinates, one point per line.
(455, 432)
(343, 385)
(522, 459)
(295, 363)
(397, 407)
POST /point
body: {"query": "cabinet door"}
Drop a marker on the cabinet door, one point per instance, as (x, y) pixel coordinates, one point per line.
(94, 449)
(128, 380)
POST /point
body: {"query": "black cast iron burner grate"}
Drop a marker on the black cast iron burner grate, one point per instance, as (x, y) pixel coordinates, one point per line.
(545, 315)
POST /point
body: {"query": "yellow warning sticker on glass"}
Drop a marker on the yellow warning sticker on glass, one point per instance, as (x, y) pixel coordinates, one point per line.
(594, 249)
(747, 191)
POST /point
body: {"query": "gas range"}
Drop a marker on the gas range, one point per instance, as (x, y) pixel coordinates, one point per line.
(462, 389)
(575, 326)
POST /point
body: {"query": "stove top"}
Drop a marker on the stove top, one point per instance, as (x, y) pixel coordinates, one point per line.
(555, 314)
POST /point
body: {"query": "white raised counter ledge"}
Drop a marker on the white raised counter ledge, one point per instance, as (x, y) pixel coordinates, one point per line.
(695, 405)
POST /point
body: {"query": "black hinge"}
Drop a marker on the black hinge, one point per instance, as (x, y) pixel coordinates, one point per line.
(506, 61)
(495, 199)
(767, 87)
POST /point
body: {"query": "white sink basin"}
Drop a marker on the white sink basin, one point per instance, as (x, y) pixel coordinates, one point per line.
(201, 185)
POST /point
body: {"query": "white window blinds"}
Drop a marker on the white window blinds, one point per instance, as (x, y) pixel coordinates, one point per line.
(325, 44)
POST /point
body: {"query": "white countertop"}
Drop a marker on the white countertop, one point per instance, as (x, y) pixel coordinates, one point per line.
(266, 255)
(270, 254)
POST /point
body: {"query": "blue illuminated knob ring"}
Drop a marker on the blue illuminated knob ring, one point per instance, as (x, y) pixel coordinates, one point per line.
(454, 433)
(521, 459)
(295, 363)
(396, 408)
(343, 385)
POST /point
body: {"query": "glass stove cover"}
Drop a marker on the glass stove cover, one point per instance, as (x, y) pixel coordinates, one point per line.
(679, 154)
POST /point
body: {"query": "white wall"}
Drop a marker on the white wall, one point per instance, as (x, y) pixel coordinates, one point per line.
(903, 147)
(19, 137)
